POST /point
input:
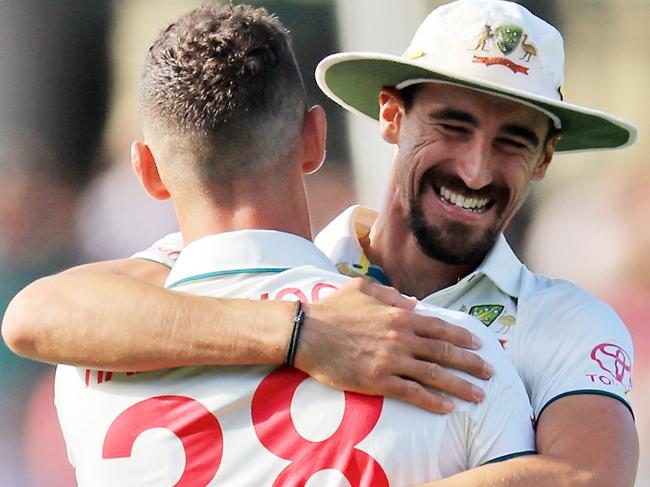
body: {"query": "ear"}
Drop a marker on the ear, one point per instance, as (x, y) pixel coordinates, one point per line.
(313, 139)
(545, 158)
(391, 113)
(144, 165)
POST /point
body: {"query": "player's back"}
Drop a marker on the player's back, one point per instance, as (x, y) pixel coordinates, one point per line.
(275, 426)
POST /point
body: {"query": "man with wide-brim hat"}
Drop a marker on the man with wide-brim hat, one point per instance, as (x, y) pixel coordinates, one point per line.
(475, 111)
(443, 51)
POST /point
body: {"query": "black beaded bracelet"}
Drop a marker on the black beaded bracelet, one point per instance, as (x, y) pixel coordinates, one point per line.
(298, 321)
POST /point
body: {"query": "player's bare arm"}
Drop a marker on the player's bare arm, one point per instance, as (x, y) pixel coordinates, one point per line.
(601, 452)
(116, 316)
(572, 450)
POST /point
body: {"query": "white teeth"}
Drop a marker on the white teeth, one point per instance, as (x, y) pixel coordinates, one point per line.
(476, 204)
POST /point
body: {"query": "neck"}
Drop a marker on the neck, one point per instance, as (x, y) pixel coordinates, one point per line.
(392, 246)
(261, 203)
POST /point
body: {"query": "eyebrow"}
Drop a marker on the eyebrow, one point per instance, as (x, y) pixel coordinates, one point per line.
(515, 130)
(523, 132)
(456, 115)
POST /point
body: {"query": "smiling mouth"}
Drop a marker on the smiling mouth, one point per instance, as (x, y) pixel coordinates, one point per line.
(457, 200)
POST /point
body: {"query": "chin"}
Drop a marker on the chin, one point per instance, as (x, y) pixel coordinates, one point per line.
(455, 245)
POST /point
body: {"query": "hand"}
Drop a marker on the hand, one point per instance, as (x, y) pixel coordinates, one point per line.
(365, 338)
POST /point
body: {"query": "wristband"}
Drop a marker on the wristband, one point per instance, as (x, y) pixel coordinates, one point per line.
(298, 321)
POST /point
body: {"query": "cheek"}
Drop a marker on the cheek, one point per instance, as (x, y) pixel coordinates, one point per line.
(426, 155)
(517, 178)
(519, 173)
(403, 179)
(410, 168)
(518, 193)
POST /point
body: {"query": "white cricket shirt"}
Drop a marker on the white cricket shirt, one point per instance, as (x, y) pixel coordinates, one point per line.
(262, 425)
(561, 339)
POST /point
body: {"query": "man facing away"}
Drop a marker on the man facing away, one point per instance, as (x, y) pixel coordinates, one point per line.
(472, 128)
(228, 136)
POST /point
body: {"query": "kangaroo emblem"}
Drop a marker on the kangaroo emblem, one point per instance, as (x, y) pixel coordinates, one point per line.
(483, 38)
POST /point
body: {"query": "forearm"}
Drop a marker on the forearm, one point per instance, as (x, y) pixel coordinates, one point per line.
(140, 326)
(537, 470)
(115, 316)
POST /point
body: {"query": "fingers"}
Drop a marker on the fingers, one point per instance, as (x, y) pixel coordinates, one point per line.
(386, 294)
(431, 327)
(449, 355)
(382, 347)
(405, 302)
(414, 393)
(441, 379)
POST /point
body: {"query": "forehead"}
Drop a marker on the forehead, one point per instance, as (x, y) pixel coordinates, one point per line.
(481, 105)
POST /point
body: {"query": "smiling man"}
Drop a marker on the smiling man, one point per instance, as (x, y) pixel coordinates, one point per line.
(472, 129)
(475, 112)
(462, 170)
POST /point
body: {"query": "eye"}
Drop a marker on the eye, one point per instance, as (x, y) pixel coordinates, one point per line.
(513, 143)
(457, 129)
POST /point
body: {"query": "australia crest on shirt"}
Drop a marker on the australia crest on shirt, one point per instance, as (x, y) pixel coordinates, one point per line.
(495, 310)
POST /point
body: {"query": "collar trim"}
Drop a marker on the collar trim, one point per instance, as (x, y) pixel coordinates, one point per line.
(245, 252)
(503, 268)
(208, 275)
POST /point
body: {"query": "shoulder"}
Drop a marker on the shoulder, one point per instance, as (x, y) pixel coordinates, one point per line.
(500, 425)
(560, 305)
(569, 342)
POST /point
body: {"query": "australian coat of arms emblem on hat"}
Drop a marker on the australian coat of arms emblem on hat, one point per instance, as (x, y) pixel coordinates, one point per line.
(493, 46)
(506, 38)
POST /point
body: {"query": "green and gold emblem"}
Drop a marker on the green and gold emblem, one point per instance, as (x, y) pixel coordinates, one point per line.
(486, 313)
(508, 37)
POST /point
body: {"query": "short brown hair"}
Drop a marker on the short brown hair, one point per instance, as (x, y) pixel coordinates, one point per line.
(223, 83)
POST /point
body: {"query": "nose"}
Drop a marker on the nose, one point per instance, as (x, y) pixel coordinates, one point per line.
(474, 163)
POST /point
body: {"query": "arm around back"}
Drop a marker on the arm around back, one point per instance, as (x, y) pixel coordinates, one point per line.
(116, 316)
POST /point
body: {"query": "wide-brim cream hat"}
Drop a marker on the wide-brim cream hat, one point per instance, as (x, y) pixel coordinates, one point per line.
(492, 46)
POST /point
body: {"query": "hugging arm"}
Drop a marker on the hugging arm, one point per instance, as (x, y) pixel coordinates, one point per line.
(116, 316)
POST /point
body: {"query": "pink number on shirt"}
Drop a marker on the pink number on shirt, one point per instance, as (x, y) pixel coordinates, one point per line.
(196, 427)
(271, 412)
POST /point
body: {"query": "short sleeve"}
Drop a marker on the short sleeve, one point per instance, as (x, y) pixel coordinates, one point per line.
(164, 251)
(501, 426)
(574, 344)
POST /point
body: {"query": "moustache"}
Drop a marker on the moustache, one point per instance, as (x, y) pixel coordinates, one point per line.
(498, 193)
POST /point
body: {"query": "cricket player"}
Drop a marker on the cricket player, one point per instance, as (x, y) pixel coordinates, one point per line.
(475, 111)
(222, 135)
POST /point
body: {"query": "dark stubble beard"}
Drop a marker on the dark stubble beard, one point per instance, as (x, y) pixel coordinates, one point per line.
(454, 244)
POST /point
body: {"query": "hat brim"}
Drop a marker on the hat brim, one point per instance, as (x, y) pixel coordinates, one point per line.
(354, 80)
